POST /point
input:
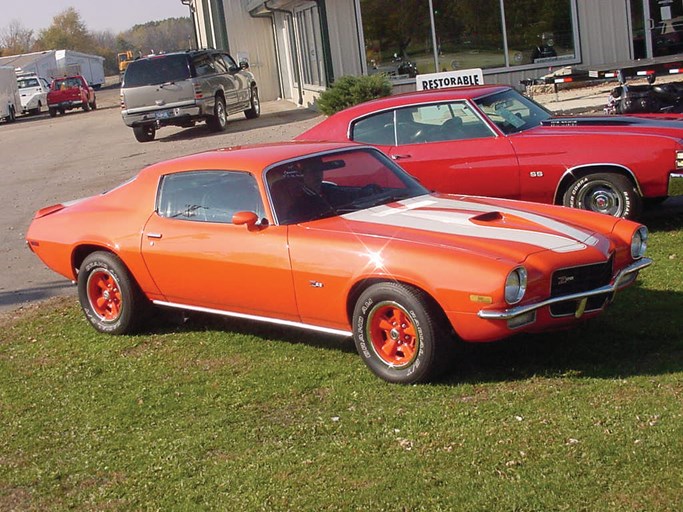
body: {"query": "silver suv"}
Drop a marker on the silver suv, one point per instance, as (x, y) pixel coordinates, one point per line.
(183, 88)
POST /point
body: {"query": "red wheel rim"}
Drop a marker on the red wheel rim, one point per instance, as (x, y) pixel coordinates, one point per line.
(393, 334)
(104, 295)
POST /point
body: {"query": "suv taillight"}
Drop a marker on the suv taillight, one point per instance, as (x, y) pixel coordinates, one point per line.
(123, 103)
(198, 95)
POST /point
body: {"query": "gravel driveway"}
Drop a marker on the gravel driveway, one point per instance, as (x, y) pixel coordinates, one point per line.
(45, 161)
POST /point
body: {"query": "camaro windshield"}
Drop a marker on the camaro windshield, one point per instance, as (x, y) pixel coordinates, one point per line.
(336, 183)
(512, 112)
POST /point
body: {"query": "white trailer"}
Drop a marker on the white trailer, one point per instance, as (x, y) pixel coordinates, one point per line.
(52, 64)
(38, 63)
(10, 101)
(91, 67)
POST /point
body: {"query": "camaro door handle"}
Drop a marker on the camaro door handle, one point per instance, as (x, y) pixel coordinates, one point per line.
(398, 157)
(153, 235)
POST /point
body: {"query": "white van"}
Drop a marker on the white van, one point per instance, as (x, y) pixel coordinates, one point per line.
(33, 91)
(10, 102)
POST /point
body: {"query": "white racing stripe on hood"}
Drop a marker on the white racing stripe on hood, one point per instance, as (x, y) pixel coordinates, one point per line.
(447, 216)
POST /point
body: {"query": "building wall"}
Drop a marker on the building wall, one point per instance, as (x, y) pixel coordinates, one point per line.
(604, 31)
(252, 38)
(344, 38)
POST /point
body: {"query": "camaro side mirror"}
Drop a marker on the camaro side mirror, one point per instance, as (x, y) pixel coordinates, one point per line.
(250, 219)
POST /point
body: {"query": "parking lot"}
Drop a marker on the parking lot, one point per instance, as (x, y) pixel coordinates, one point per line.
(49, 160)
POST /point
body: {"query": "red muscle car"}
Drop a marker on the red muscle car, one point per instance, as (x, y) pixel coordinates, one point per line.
(335, 238)
(493, 141)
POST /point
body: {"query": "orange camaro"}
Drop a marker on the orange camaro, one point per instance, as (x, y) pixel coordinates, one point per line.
(337, 238)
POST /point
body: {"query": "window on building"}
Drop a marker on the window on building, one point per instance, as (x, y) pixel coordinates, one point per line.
(309, 33)
(489, 34)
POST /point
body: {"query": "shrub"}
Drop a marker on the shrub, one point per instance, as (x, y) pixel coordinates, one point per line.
(351, 90)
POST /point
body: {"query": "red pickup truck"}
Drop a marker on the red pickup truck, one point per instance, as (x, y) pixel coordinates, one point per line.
(68, 93)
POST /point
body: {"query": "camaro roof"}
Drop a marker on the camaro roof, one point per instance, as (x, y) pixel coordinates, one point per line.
(247, 158)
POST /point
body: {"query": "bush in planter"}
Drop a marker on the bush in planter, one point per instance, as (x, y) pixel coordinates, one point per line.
(351, 90)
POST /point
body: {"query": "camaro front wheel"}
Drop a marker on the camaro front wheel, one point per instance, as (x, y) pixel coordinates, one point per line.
(399, 333)
(612, 194)
(109, 296)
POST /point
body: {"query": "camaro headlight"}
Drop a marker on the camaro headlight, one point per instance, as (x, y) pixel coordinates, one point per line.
(515, 285)
(639, 243)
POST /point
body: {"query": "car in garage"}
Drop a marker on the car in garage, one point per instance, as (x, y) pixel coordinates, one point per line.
(493, 141)
(183, 88)
(335, 238)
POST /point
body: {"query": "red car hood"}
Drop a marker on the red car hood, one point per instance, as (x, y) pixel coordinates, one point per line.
(661, 124)
(449, 221)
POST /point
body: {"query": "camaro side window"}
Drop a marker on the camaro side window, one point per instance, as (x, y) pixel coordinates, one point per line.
(377, 129)
(208, 196)
(438, 123)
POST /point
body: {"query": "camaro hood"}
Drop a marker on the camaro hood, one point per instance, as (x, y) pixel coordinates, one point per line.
(494, 231)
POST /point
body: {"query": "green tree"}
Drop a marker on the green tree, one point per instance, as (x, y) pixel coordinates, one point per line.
(67, 32)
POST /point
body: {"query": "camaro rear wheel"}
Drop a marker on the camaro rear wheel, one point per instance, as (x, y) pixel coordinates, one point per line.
(109, 296)
(399, 333)
(612, 194)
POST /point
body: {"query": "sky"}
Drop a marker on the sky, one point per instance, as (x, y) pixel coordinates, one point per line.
(98, 15)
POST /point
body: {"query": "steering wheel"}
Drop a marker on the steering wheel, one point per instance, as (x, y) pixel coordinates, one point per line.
(370, 189)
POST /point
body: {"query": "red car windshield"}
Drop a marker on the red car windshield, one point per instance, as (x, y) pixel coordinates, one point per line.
(512, 112)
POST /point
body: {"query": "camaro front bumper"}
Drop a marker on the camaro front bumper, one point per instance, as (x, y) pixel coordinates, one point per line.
(624, 277)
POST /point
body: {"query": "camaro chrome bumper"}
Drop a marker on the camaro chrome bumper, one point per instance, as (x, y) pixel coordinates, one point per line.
(675, 184)
(616, 283)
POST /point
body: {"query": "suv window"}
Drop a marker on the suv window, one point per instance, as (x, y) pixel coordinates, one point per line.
(208, 196)
(204, 64)
(156, 70)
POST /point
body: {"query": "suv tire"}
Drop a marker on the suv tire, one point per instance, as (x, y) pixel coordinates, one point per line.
(255, 109)
(144, 133)
(219, 121)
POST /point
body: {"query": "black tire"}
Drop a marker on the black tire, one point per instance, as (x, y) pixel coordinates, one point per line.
(62, 111)
(219, 121)
(52, 112)
(144, 133)
(86, 106)
(109, 296)
(611, 194)
(93, 105)
(12, 115)
(254, 110)
(400, 334)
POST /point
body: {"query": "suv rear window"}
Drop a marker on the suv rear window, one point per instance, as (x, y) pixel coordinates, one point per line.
(157, 70)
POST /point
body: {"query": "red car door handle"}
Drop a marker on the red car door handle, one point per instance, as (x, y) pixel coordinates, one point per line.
(398, 157)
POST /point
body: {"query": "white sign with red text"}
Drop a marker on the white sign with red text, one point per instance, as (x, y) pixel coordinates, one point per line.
(448, 79)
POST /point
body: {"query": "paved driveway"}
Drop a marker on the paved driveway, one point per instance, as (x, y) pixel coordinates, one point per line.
(45, 161)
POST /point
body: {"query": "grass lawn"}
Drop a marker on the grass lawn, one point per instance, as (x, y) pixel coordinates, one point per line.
(227, 415)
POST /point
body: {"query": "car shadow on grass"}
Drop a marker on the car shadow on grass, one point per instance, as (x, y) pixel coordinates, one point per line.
(638, 335)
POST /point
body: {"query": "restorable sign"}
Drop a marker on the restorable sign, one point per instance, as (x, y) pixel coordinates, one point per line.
(448, 79)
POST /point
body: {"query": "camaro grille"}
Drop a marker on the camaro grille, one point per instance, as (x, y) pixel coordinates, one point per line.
(580, 279)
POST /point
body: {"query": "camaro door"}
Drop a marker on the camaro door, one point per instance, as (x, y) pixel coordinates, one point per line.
(198, 257)
(448, 147)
